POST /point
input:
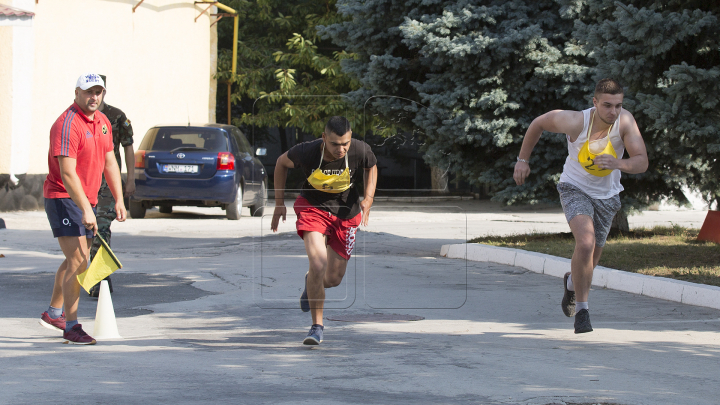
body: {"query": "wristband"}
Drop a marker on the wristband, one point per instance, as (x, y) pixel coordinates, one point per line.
(522, 160)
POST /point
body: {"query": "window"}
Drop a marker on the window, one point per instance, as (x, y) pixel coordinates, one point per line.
(148, 139)
(242, 142)
(235, 144)
(170, 139)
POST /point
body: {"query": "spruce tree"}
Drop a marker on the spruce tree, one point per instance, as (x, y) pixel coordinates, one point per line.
(667, 55)
(383, 65)
(480, 72)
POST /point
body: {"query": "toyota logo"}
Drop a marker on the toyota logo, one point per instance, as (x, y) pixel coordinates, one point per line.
(180, 155)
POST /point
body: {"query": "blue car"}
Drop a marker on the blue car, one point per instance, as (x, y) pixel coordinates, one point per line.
(212, 165)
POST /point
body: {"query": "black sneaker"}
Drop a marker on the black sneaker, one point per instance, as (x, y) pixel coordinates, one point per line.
(304, 302)
(568, 301)
(582, 322)
(95, 290)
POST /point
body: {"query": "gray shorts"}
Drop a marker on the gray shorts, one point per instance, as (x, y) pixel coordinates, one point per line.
(575, 202)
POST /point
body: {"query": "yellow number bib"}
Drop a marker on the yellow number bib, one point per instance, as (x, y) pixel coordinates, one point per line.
(587, 158)
(330, 183)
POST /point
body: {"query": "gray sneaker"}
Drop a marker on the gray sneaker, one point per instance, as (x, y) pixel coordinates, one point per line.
(568, 300)
(582, 321)
(315, 336)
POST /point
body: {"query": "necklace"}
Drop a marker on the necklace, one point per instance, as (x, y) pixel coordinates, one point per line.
(592, 120)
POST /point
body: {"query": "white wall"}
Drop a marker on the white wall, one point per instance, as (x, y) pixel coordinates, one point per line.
(16, 66)
(6, 32)
(158, 61)
(22, 90)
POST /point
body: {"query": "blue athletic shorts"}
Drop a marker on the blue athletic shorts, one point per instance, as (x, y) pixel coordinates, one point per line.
(66, 218)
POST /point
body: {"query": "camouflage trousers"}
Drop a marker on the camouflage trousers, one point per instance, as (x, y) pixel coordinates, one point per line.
(105, 215)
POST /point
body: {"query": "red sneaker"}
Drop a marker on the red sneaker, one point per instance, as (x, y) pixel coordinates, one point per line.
(54, 324)
(77, 336)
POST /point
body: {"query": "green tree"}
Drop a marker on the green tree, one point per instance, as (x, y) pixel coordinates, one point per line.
(481, 70)
(667, 54)
(286, 75)
(384, 66)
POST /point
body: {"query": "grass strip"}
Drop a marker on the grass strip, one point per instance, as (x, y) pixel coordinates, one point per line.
(672, 252)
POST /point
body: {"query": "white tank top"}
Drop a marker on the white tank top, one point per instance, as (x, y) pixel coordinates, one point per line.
(573, 173)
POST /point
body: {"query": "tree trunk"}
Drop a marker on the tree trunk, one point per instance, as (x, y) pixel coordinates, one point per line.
(620, 223)
(439, 180)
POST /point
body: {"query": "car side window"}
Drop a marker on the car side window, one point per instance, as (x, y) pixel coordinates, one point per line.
(235, 144)
(242, 141)
(149, 139)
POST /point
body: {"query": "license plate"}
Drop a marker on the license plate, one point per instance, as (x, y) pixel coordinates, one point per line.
(180, 168)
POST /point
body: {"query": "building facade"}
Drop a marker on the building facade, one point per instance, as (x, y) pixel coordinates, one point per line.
(159, 57)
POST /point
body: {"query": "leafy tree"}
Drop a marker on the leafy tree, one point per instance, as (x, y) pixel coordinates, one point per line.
(667, 54)
(286, 75)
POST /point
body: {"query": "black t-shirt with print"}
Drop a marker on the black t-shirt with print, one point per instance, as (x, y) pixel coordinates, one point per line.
(306, 157)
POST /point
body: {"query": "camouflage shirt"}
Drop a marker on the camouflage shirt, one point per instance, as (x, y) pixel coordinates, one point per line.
(121, 130)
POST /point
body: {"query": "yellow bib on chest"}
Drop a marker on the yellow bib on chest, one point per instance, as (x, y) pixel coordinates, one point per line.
(587, 158)
(330, 183)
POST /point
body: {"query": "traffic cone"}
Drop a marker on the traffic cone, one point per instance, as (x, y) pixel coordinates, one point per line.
(105, 324)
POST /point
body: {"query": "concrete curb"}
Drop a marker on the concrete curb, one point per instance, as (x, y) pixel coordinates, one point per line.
(656, 287)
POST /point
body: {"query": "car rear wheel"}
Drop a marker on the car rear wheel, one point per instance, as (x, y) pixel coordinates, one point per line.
(137, 210)
(234, 210)
(165, 209)
(259, 207)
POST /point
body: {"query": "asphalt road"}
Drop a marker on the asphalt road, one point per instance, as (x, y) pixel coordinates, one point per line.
(208, 311)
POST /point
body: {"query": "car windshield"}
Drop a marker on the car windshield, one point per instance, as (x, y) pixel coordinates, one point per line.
(177, 139)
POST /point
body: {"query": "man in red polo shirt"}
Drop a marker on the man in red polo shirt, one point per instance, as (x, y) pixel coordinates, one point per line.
(81, 150)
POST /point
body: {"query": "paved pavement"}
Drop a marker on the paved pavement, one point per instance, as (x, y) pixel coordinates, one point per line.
(208, 311)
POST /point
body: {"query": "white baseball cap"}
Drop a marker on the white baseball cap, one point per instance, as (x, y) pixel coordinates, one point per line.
(89, 80)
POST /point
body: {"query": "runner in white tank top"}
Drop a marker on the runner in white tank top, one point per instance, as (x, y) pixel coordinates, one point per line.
(590, 182)
(574, 173)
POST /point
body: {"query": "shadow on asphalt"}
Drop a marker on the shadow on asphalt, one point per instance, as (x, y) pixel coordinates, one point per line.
(179, 245)
(179, 213)
(489, 285)
(431, 207)
(29, 293)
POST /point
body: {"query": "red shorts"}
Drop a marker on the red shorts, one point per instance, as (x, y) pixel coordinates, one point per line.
(340, 232)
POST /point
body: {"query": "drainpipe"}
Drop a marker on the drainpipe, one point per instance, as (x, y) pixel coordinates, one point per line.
(235, 32)
(235, 29)
(234, 63)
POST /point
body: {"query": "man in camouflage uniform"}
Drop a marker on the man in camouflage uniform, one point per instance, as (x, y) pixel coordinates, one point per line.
(122, 136)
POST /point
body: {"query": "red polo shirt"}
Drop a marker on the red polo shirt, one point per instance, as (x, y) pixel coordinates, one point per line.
(87, 141)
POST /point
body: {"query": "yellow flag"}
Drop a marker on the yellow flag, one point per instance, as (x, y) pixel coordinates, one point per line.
(104, 264)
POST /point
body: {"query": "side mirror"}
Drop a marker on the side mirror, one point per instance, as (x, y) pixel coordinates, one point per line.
(261, 152)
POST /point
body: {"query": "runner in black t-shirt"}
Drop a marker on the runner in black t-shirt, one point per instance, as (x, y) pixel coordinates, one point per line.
(328, 212)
